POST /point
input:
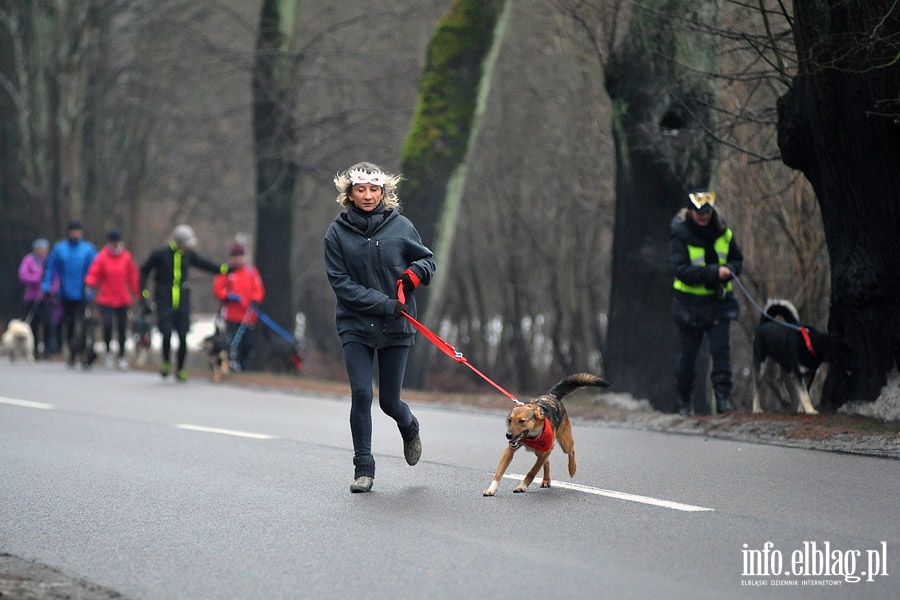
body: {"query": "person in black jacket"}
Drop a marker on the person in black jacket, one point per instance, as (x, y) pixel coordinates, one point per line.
(171, 264)
(703, 255)
(371, 249)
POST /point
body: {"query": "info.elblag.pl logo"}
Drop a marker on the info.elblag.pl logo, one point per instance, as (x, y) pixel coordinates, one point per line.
(813, 560)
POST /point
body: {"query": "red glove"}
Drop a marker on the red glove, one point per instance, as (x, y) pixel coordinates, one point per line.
(409, 280)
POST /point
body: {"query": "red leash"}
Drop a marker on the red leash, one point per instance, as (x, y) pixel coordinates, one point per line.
(447, 348)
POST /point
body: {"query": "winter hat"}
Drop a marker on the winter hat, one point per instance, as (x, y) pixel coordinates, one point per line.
(40, 243)
(114, 235)
(237, 249)
(74, 224)
(183, 235)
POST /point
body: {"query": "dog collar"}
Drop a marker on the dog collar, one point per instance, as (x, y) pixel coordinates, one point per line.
(543, 442)
(805, 333)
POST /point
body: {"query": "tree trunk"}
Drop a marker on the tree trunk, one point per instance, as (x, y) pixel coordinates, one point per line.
(662, 98)
(840, 125)
(276, 168)
(436, 147)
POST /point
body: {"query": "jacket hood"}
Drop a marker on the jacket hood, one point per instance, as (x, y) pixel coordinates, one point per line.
(683, 222)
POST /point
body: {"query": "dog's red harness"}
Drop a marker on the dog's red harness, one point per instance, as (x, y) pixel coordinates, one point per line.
(805, 333)
(543, 442)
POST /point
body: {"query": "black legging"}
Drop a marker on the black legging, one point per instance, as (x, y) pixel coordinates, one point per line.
(179, 321)
(73, 320)
(107, 313)
(359, 360)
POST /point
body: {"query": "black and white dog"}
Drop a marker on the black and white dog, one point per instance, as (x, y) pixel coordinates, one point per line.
(798, 349)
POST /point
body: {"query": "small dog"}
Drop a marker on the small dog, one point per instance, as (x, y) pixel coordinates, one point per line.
(798, 353)
(217, 347)
(18, 340)
(538, 424)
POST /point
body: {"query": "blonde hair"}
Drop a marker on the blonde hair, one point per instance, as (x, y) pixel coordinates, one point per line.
(343, 183)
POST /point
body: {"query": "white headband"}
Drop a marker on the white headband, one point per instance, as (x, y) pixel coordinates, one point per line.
(358, 176)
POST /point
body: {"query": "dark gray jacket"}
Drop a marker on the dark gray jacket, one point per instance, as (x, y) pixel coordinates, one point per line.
(363, 271)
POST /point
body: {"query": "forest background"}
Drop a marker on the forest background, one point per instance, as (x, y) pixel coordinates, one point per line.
(145, 115)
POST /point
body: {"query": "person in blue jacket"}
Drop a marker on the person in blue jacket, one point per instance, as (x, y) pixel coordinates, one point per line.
(69, 260)
(370, 249)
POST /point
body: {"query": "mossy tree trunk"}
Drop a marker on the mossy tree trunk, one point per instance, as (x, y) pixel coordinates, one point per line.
(456, 78)
(840, 125)
(659, 81)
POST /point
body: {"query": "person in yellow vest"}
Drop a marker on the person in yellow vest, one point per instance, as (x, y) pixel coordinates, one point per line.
(704, 255)
(171, 265)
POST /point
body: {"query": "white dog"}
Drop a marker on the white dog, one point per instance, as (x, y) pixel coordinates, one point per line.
(18, 340)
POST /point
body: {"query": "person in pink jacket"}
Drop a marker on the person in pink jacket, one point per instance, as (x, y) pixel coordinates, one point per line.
(113, 282)
(38, 307)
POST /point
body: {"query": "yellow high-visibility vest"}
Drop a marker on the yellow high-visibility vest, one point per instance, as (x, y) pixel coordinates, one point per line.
(697, 255)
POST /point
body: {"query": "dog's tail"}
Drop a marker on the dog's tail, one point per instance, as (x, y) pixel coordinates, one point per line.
(573, 382)
(778, 308)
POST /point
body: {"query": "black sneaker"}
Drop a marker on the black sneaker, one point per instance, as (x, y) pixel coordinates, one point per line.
(362, 485)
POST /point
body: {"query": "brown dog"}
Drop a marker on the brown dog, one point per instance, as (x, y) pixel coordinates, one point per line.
(538, 424)
(217, 348)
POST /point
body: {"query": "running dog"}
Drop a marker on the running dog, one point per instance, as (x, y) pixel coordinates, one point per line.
(217, 347)
(18, 340)
(798, 349)
(538, 424)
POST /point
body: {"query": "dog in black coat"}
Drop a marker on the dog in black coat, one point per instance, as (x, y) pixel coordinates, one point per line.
(798, 349)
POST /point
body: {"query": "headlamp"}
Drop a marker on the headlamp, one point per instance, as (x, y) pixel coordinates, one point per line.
(703, 200)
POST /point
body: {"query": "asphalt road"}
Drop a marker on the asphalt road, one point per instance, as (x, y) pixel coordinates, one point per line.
(163, 490)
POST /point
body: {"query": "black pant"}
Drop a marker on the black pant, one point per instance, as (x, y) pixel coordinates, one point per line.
(690, 339)
(170, 319)
(73, 321)
(359, 360)
(120, 314)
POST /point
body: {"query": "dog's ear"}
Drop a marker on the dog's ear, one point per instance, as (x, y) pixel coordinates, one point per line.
(538, 413)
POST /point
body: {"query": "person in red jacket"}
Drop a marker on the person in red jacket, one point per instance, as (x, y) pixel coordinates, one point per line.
(238, 290)
(112, 280)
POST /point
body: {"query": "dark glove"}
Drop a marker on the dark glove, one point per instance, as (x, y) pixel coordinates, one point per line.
(409, 280)
(399, 309)
(232, 297)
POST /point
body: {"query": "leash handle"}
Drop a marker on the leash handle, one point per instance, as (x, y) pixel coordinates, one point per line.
(446, 348)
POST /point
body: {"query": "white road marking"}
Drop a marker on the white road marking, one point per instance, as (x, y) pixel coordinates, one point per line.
(620, 495)
(246, 434)
(26, 403)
